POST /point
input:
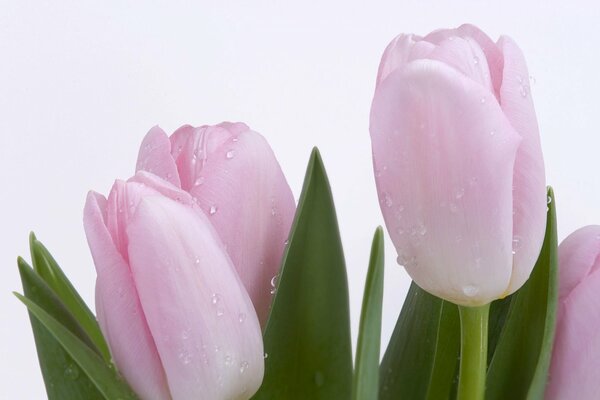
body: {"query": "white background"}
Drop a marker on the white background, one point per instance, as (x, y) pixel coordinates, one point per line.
(81, 83)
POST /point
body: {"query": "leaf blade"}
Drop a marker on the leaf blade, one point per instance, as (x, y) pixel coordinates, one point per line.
(520, 364)
(100, 374)
(366, 374)
(307, 337)
(57, 366)
(49, 270)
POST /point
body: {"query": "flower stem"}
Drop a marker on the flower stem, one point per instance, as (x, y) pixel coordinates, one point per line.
(473, 353)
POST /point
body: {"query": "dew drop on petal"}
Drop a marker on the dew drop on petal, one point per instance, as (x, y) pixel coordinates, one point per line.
(470, 290)
(230, 154)
(213, 210)
(243, 366)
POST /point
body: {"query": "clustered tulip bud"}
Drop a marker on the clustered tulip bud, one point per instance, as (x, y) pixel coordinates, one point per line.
(458, 163)
(184, 252)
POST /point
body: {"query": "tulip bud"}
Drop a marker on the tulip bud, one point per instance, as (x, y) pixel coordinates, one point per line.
(458, 163)
(233, 175)
(178, 321)
(574, 372)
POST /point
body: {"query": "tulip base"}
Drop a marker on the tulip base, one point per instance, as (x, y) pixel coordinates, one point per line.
(473, 352)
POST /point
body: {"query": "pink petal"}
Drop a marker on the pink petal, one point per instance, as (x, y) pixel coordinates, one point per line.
(396, 55)
(202, 319)
(574, 372)
(155, 156)
(443, 156)
(249, 202)
(192, 148)
(466, 56)
(119, 311)
(529, 181)
(493, 55)
(578, 254)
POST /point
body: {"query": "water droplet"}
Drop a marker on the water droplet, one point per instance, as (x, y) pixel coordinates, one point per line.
(492, 132)
(228, 360)
(215, 298)
(422, 229)
(319, 379)
(220, 312)
(470, 290)
(243, 366)
(386, 199)
(185, 334)
(524, 90)
(71, 372)
(274, 284)
(169, 176)
(235, 139)
(476, 60)
(549, 200)
(199, 181)
(241, 317)
(460, 192)
(516, 244)
(197, 261)
(212, 210)
(532, 79)
(217, 349)
(229, 155)
(286, 242)
(266, 355)
(482, 100)
(179, 148)
(273, 211)
(185, 357)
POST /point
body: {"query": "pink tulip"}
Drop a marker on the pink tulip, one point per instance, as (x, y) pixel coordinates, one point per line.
(458, 163)
(575, 367)
(178, 321)
(233, 175)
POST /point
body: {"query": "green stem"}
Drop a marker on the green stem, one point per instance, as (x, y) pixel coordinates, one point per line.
(473, 353)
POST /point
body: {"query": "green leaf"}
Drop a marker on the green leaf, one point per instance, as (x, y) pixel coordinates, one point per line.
(420, 361)
(519, 368)
(103, 377)
(61, 374)
(307, 337)
(366, 373)
(49, 270)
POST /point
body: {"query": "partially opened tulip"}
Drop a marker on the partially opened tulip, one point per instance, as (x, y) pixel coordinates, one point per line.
(458, 163)
(233, 175)
(574, 371)
(178, 320)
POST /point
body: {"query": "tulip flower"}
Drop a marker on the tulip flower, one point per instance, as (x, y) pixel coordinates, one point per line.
(574, 372)
(178, 320)
(458, 163)
(233, 175)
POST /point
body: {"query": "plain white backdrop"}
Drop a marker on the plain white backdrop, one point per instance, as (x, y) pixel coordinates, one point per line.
(82, 82)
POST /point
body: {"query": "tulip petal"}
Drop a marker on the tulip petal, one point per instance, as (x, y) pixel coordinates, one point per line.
(193, 147)
(207, 333)
(250, 204)
(529, 181)
(155, 156)
(119, 312)
(396, 55)
(447, 201)
(465, 55)
(493, 55)
(574, 370)
(578, 256)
